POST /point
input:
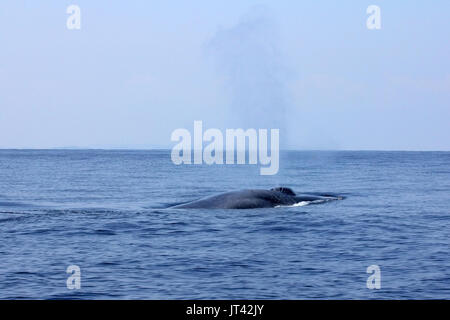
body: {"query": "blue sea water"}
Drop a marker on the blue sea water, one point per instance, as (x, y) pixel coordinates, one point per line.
(106, 212)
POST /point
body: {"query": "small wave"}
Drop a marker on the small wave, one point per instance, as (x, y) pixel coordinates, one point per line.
(105, 232)
(13, 204)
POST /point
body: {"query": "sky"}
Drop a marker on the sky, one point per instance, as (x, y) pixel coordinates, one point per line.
(137, 70)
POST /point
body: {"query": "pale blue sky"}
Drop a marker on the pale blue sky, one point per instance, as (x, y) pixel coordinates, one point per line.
(137, 70)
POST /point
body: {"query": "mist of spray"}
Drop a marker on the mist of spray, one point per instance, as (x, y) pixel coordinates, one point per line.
(247, 56)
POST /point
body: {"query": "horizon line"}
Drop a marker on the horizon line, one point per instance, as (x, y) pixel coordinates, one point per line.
(168, 149)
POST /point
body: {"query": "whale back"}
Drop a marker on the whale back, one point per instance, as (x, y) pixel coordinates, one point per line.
(284, 190)
(255, 198)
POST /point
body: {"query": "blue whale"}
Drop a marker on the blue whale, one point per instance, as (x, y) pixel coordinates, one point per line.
(256, 198)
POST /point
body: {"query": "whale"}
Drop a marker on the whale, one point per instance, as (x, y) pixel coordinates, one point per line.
(257, 198)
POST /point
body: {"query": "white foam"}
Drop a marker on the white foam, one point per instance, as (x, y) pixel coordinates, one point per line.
(302, 203)
(298, 204)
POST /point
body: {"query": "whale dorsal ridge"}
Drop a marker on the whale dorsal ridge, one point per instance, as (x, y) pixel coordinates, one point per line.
(284, 190)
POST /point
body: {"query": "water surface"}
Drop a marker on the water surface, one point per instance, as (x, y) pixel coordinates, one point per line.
(106, 211)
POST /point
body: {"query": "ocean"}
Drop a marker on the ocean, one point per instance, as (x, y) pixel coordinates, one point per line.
(106, 212)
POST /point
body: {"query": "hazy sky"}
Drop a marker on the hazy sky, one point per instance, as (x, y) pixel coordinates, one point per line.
(137, 70)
